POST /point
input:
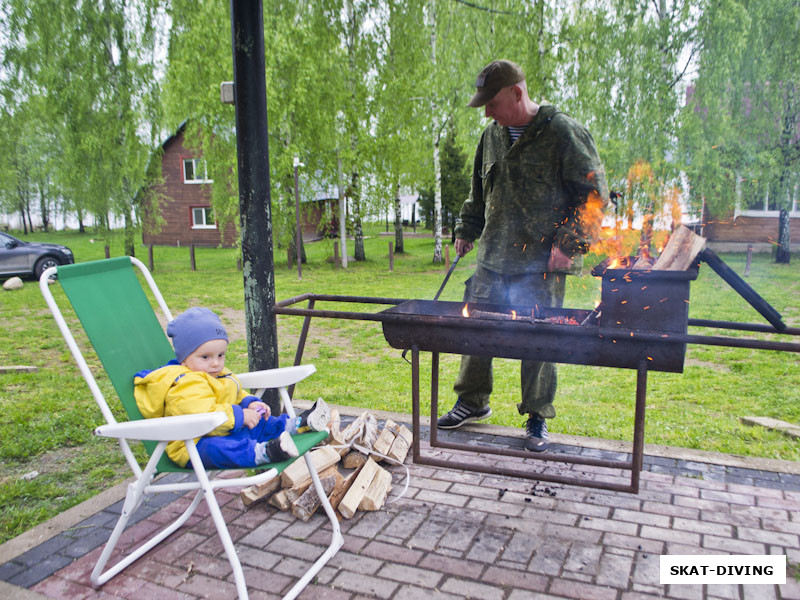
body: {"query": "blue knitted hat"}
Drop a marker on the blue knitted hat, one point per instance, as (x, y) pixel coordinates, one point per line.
(193, 328)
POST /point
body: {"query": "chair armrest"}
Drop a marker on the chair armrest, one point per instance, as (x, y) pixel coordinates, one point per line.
(276, 378)
(164, 429)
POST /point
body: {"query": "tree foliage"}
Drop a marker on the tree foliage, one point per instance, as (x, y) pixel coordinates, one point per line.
(708, 88)
(85, 73)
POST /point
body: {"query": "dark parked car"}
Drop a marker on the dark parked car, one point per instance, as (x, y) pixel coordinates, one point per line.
(30, 258)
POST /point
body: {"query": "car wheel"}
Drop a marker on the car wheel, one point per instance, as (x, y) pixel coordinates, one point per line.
(43, 264)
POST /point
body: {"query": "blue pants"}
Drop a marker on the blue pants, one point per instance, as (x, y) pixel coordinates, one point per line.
(238, 448)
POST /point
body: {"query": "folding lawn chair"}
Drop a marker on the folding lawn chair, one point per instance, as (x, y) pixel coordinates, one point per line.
(123, 329)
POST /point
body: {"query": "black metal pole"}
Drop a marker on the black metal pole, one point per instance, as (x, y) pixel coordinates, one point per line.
(255, 211)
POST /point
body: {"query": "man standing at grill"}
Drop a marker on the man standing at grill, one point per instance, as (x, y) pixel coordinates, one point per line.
(535, 168)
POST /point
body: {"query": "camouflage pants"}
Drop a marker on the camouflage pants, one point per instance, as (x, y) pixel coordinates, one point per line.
(474, 382)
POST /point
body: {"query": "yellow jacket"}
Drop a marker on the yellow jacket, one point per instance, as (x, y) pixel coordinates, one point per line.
(177, 390)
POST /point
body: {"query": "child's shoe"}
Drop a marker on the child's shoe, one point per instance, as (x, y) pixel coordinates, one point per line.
(276, 450)
(315, 418)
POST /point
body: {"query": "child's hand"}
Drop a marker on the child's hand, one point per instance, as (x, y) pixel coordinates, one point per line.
(251, 417)
(261, 408)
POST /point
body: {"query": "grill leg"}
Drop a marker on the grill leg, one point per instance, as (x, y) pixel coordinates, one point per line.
(415, 452)
(301, 343)
(434, 397)
(638, 426)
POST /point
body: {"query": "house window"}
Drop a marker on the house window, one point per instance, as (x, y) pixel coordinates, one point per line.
(760, 199)
(203, 218)
(194, 171)
(754, 195)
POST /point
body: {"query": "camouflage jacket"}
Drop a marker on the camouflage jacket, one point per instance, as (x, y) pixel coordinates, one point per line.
(527, 197)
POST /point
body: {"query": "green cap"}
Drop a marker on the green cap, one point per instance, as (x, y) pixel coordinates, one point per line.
(494, 77)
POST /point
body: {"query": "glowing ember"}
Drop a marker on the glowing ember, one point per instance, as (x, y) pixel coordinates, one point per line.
(465, 311)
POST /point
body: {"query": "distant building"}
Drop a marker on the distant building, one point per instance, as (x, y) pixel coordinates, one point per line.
(185, 201)
(754, 221)
(187, 216)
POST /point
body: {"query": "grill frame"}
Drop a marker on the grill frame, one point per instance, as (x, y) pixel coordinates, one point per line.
(637, 344)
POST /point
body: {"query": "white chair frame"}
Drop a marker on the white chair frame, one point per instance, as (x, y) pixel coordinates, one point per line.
(186, 427)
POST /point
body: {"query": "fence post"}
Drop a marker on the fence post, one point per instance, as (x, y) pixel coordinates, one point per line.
(239, 263)
(749, 259)
(336, 260)
(150, 257)
(108, 252)
(289, 257)
(191, 258)
(391, 257)
(447, 257)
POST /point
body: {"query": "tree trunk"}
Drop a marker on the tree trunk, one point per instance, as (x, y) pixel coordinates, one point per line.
(358, 232)
(437, 168)
(22, 214)
(398, 224)
(783, 252)
(44, 209)
(28, 212)
(130, 249)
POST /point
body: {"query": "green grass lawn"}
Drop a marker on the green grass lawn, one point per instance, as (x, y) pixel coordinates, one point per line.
(49, 415)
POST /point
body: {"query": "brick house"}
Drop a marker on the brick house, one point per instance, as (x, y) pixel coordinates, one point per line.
(185, 201)
(185, 204)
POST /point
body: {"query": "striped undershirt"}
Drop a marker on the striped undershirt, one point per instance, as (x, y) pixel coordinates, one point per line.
(515, 132)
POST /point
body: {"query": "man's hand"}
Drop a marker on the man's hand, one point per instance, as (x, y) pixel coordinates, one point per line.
(558, 261)
(463, 246)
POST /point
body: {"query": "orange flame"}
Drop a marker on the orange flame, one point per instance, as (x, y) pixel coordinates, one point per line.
(465, 311)
(514, 315)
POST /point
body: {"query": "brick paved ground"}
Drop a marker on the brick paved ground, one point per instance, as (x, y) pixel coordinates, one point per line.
(457, 534)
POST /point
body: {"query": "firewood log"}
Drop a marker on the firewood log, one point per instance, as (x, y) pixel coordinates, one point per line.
(682, 248)
(280, 500)
(297, 472)
(377, 491)
(369, 434)
(254, 493)
(353, 460)
(307, 504)
(333, 426)
(401, 444)
(351, 500)
(342, 487)
(352, 430)
(384, 441)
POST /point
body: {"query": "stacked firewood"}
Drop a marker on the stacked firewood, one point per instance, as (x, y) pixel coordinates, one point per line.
(348, 468)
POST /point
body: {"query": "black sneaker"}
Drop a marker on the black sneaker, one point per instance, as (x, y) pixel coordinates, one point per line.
(315, 418)
(461, 414)
(536, 434)
(276, 450)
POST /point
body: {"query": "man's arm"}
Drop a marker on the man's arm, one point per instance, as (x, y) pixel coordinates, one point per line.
(583, 178)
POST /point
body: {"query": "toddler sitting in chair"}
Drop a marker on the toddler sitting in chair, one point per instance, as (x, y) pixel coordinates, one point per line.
(198, 382)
